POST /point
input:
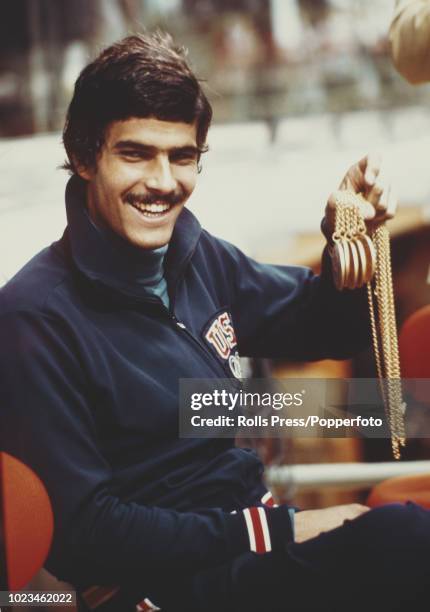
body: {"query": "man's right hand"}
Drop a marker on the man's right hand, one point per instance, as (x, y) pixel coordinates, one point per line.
(310, 523)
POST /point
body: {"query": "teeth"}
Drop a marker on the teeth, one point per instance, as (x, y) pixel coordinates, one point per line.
(153, 208)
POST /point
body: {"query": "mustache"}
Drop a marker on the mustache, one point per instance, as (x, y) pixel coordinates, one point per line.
(175, 197)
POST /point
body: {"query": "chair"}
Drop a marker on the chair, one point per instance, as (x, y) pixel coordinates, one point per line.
(26, 523)
(402, 489)
(414, 346)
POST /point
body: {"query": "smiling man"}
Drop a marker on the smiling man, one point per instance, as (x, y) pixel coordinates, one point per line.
(97, 330)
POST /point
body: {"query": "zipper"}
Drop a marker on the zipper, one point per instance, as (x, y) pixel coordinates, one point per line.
(207, 354)
(209, 358)
(170, 311)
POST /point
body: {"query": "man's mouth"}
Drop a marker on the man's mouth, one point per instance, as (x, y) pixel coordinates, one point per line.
(152, 211)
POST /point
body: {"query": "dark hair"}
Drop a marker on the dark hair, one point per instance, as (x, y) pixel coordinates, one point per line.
(142, 75)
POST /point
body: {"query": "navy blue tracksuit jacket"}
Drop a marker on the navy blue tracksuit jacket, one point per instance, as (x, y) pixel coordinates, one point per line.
(90, 367)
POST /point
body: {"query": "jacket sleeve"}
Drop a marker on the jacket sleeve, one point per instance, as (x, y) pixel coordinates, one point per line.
(410, 39)
(289, 312)
(47, 421)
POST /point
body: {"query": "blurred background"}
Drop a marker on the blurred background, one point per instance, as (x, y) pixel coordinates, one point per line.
(301, 89)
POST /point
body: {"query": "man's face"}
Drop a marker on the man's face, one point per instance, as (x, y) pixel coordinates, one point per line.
(144, 174)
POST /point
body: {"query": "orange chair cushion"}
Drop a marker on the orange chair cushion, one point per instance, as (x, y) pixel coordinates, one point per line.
(414, 347)
(402, 489)
(27, 521)
(414, 344)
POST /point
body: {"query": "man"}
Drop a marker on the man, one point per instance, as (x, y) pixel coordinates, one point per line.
(98, 329)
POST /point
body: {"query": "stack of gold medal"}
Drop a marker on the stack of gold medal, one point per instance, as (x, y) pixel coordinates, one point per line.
(357, 260)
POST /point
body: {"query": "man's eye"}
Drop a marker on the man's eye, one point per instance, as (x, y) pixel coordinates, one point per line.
(135, 155)
(183, 158)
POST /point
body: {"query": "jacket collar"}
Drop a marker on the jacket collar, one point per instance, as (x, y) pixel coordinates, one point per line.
(98, 258)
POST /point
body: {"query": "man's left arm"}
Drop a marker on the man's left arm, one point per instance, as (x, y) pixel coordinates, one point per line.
(287, 311)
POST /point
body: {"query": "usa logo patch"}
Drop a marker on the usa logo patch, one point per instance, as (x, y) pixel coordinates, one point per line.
(221, 338)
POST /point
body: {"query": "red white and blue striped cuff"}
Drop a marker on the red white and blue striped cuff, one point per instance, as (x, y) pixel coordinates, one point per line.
(258, 530)
(267, 500)
(262, 529)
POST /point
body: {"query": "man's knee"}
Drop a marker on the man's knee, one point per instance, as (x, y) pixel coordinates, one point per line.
(396, 526)
(389, 536)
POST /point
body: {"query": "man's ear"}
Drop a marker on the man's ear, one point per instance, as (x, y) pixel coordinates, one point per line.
(85, 172)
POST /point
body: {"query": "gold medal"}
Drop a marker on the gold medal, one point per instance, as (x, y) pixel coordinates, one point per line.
(362, 262)
(370, 254)
(347, 257)
(338, 265)
(354, 270)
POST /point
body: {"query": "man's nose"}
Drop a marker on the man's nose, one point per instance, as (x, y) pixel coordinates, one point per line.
(160, 177)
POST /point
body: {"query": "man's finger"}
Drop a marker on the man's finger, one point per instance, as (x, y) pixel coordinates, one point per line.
(382, 204)
(375, 195)
(392, 204)
(371, 166)
(367, 211)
